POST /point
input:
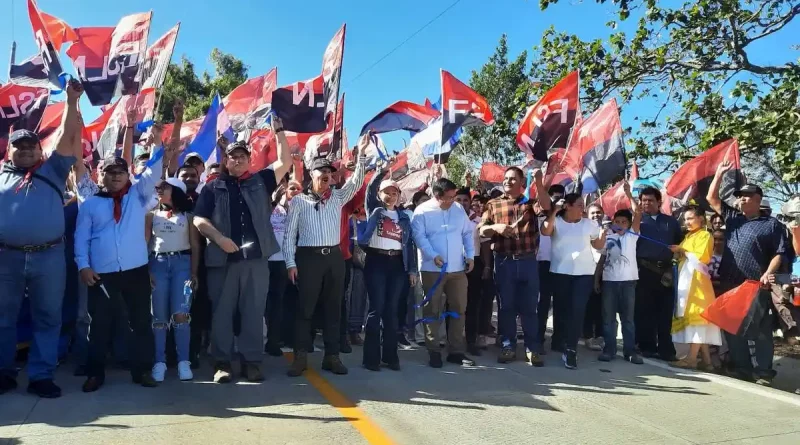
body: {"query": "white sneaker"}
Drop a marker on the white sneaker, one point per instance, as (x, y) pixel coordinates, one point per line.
(159, 369)
(185, 370)
(593, 344)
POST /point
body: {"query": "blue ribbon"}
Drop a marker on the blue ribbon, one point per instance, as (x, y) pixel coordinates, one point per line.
(62, 80)
(618, 228)
(436, 284)
(143, 126)
(444, 315)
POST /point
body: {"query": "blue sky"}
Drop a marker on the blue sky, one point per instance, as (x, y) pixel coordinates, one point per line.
(292, 35)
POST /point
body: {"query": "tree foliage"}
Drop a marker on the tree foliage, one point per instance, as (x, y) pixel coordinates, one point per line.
(198, 91)
(694, 64)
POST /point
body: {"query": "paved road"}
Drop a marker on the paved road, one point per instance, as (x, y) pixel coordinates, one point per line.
(493, 404)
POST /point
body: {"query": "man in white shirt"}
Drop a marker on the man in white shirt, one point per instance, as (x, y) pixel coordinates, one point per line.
(444, 236)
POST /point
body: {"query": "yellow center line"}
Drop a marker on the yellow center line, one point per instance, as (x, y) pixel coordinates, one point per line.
(360, 420)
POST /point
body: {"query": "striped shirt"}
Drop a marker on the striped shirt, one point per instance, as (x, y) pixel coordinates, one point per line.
(322, 226)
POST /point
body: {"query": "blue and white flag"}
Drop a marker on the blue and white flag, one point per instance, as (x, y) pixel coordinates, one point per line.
(205, 141)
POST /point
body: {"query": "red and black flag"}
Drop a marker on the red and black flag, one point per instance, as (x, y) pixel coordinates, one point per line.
(596, 151)
(492, 175)
(89, 55)
(153, 69)
(401, 115)
(31, 72)
(693, 178)
(46, 46)
(21, 107)
(301, 106)
(332, 70)
(128, 50)
(547, 124)
(248, 104)
(741, 310)
(461, 107)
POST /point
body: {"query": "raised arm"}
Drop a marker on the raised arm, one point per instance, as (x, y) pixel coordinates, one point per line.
(284, 162)
(127, 140)
(541, 192)
(151, 176)
(355, 181)
(637, 212)
(70, 122)
(549, 225)
(713, 190)
(372, 201)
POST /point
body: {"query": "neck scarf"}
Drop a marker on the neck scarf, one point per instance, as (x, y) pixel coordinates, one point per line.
(117, 197)
(27, 173)
(320, 199)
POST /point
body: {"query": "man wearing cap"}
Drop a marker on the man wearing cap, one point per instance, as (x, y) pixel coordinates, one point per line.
(32, 249)
(113, 261)
(233, 213)
(754, 250)
(314, 259)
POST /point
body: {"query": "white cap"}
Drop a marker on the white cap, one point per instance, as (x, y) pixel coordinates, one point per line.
(177, 183)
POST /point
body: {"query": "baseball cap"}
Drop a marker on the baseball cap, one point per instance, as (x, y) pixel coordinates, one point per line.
(321, 163)
(238, 145)
(115, 161)
(387, 183)
(177, 183)
(749, 189)
(193, 155)
(21, 135)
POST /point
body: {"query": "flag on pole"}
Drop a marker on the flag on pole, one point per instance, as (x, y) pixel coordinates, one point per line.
(248, 104)
(46, 47)
(21, 107)
(461, 107)
(401, 115)
(205, 141)
(547, 124)
(332, 70)
(89, 55)
(301, 106)
(153, 69)
(693, 178)
(60, 32)
(31, 72)
(128, 49)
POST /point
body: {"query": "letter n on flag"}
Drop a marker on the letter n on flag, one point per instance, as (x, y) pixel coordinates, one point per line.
(547, 124)
(461, 107)
(693, 178)
(301, 106)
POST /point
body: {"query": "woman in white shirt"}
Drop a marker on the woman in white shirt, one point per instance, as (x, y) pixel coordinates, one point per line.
(572, 264)
(390, 261)
(174, 262)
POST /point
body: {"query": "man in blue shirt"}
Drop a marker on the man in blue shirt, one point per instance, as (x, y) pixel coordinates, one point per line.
(112, 257)
(654, 295)
(32, 247)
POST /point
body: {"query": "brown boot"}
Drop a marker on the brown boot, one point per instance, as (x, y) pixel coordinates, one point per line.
(299, 364)
(252, 372)
(334, 364)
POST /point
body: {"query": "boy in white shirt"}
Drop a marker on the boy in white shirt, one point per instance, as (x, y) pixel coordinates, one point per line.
(620, 274)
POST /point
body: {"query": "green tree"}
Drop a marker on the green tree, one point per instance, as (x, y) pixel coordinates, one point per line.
(198, 91)
(695, 65)
(505, 85)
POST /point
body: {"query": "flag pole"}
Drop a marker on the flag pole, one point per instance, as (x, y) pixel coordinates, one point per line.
(12, 59)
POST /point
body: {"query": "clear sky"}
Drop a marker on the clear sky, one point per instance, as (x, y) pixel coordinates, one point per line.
(292, 35)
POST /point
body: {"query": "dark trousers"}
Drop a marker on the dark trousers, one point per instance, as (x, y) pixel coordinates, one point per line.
(348, 275)
(543, 309)
(384, 277)
(653, 314)
(593, 319)
(517, 282)
(480, 296)
(201, 315)
(128, 301)
(403, 308)
(278, 280)
(319, 278)
(572, 292)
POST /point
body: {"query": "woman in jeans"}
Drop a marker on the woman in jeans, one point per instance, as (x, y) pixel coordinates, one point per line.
(390, 261)
(174, 262)
(572, 264)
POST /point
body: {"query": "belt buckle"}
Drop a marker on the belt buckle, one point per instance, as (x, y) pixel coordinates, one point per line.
(32, 249)
(325, 250)
(515, 257)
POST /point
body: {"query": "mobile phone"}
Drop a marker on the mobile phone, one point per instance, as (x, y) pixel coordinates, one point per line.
(784, 279)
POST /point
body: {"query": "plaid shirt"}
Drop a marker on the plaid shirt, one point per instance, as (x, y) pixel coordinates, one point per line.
(504, 210)
(750, 245)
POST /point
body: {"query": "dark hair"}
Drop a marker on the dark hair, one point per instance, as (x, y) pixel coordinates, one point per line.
(441, 186)
(650, 191)
(214, 165)
(556, 188)
(464, 191)
(180, 201)
(569, 199)
(518, 171)
(186, 166)
(495, 194)
(696, 210)
(141, 157)
(624, 213)
(716, 216)
(483, 199)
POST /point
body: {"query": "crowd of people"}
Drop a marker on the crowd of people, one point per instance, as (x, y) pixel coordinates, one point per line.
(174, 259)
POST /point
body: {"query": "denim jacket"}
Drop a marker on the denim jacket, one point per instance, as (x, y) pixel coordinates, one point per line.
(374, 207)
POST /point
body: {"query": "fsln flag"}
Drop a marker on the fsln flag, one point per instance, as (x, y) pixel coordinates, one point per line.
(206, 138)
(60, 32)
(301, 106)
(153, 69)
(90, 136)
(547, 124)
(491, 175)
(693, 178)
(332, 70)
(249, 103)
(143, 103)
(128, 49)
(401, 115)
(52, 65)
(338, 130)
(461, 107)
(596, 151)
(21, 107)
(740, 311)
(89, 55)
(31, 72)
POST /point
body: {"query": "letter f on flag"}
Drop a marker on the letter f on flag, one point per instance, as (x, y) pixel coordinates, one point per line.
(462, 107)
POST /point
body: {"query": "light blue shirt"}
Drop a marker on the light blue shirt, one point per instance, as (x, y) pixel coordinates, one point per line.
(107, 246)
(444, 233)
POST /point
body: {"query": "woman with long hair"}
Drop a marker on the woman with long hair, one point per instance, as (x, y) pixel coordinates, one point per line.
(695, 293)
(174, 262)
(572, 264)
(390, 261)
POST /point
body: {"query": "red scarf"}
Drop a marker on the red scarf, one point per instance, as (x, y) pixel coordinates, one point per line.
(245, 176)
(117, 197)
(28, 178)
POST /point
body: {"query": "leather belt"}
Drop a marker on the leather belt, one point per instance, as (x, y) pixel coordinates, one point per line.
(182, 252)
(384, 251)
(32, 247)
(659, 265)
(319, 250)
(517, 256)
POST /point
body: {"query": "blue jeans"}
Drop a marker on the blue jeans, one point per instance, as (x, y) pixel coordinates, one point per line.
(170, 273)
(357, 301)
(517, 283)
(619, 297)
(384, 276)
(43, 276)
(572, 291)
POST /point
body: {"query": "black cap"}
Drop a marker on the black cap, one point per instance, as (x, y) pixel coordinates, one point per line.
(321, 163)
(749, 189)
(114, 161)
(238, 145)
(21, 135)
